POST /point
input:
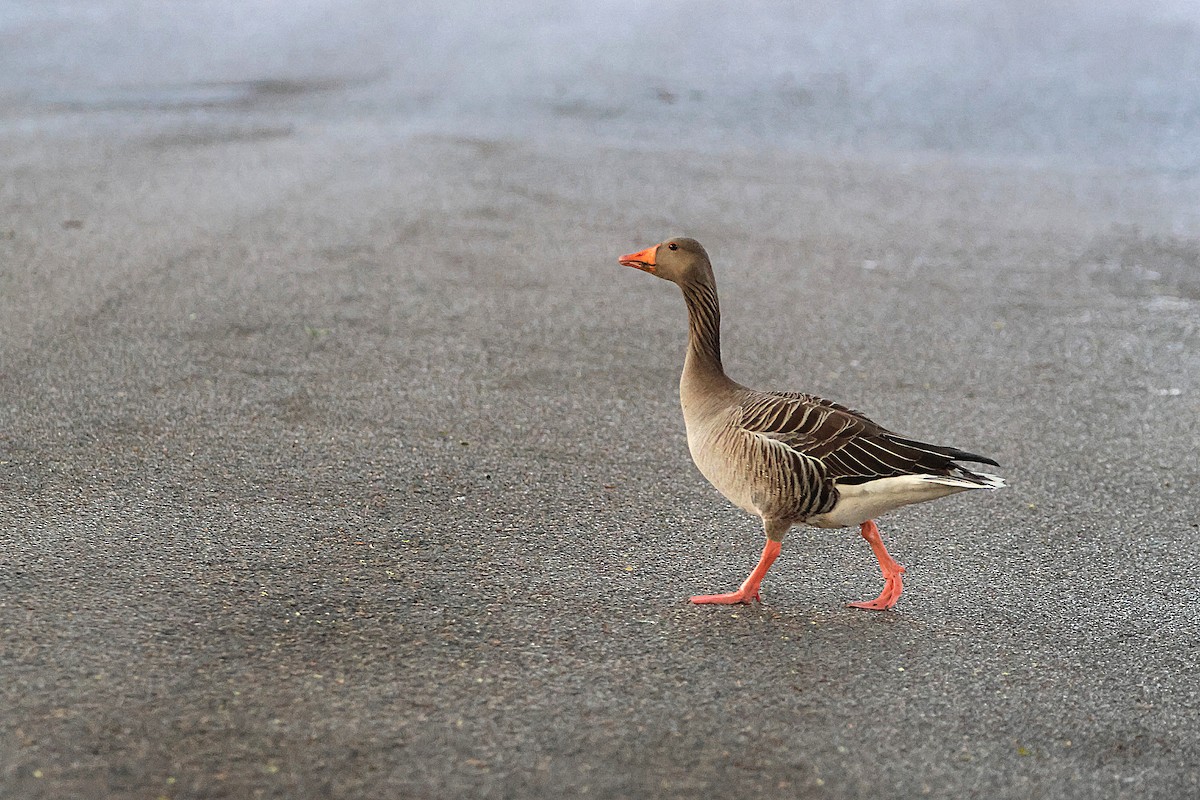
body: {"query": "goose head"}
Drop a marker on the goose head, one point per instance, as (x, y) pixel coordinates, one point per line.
(679, 260)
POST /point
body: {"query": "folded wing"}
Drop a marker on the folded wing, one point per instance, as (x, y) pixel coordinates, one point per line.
(849, 447)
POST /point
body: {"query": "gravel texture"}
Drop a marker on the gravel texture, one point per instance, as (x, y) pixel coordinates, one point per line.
(339, 458)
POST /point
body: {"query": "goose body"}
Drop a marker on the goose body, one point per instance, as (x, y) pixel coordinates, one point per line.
(790, 458)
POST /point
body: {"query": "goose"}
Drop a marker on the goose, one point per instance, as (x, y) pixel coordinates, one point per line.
(791, 458)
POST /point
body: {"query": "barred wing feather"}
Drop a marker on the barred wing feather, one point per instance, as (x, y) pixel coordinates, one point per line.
(850, 447)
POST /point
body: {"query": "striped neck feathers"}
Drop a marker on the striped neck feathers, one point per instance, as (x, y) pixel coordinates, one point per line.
(704, 326)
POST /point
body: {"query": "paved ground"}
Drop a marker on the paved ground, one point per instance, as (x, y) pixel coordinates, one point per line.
(338, 457)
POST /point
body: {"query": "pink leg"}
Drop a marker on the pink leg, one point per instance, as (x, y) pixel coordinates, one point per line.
(749, 588)
(893, 585)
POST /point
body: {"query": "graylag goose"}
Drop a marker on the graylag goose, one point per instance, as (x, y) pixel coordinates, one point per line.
(789, 458)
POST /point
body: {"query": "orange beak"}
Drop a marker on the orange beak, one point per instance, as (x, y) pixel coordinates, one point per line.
(643, 260)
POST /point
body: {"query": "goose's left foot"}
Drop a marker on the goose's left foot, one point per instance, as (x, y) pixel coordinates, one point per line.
(732, 598)
(748, 591)
(893, 584)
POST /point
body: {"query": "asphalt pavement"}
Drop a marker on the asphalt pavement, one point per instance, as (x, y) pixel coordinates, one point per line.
(340, 458)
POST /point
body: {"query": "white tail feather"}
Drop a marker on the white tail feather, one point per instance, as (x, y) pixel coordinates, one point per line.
(990, 481)
(859, 502)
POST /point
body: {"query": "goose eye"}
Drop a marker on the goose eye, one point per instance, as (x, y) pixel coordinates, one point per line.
(672, 246)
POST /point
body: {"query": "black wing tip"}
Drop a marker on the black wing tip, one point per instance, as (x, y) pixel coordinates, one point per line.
(974, 459)
(952, 453)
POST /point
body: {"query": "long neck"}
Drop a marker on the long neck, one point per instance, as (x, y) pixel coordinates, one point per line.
(704, 330)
